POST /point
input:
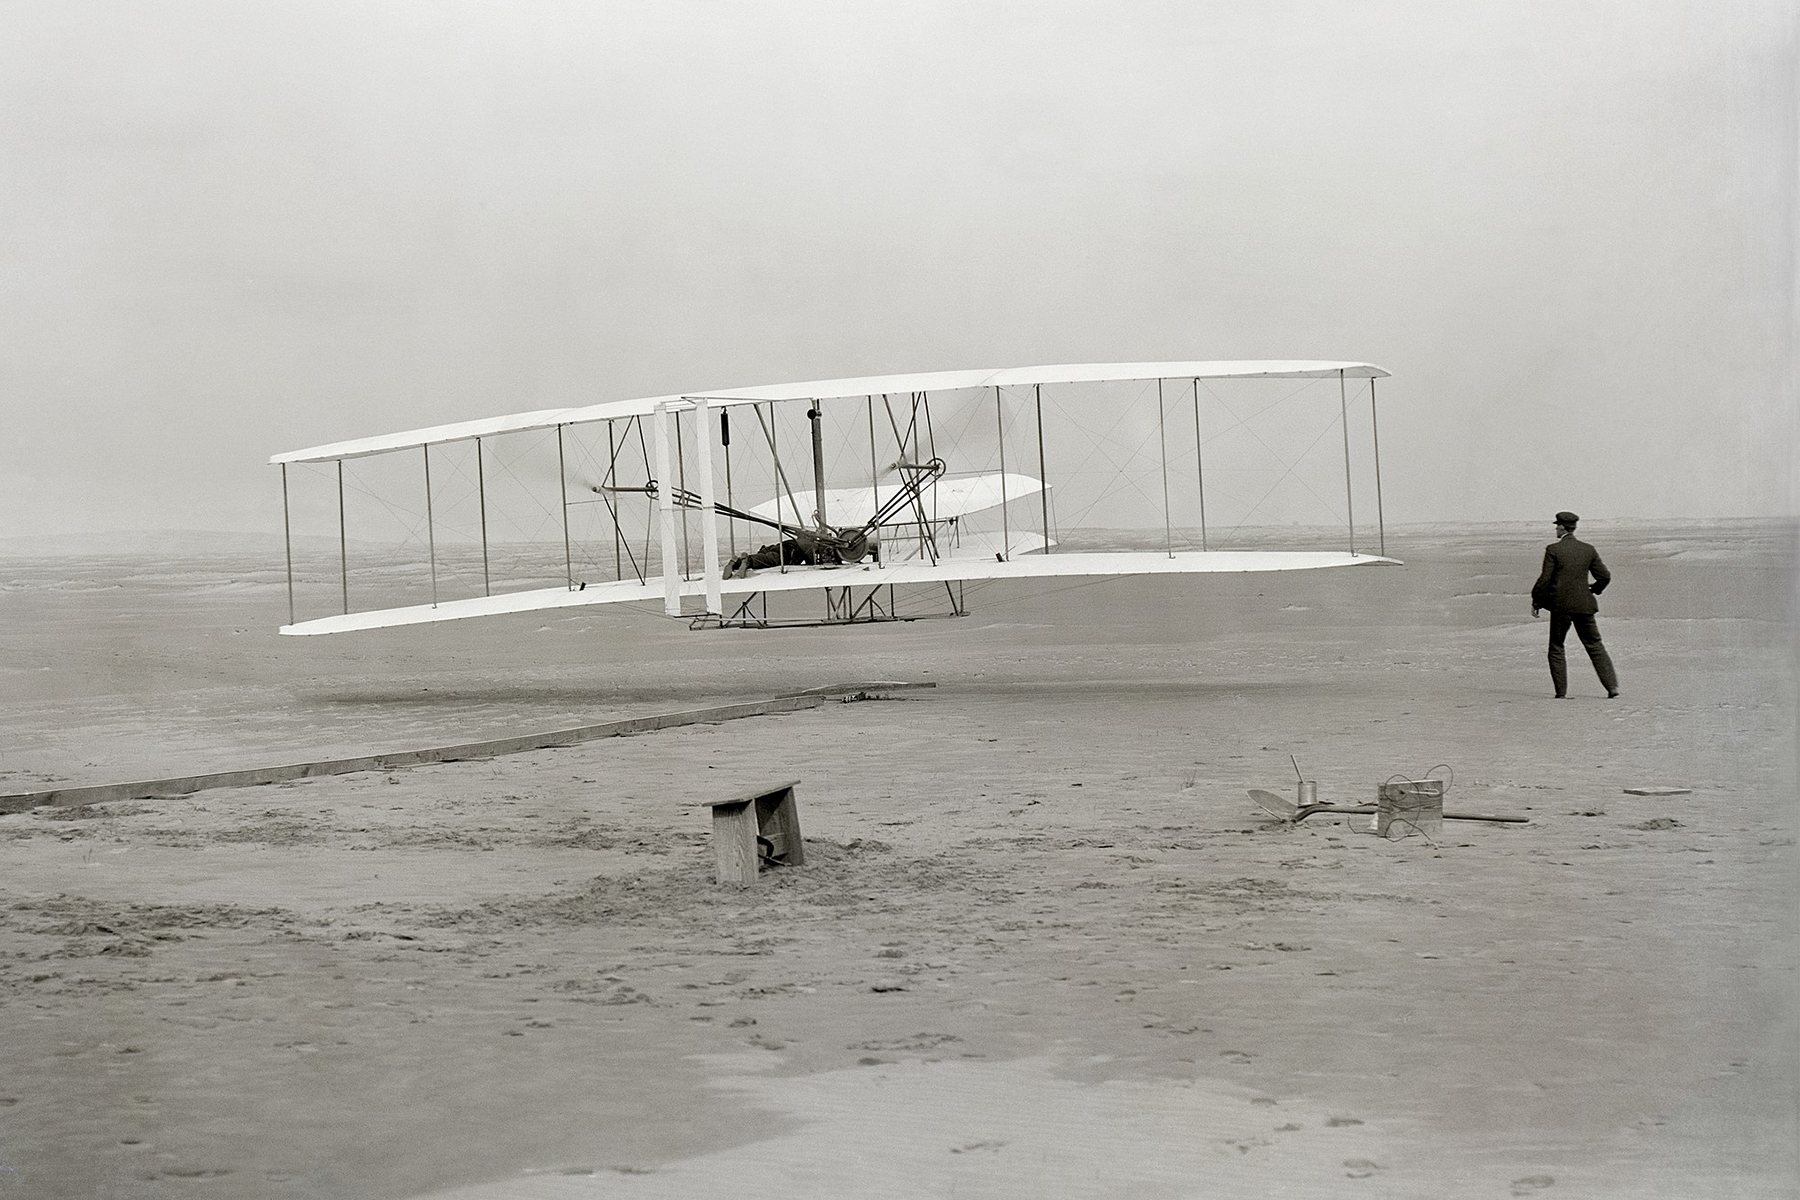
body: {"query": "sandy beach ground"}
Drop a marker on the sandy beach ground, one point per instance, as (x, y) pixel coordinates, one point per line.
(1043, 944)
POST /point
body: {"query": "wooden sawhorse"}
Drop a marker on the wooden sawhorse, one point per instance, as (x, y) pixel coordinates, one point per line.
(761, 827)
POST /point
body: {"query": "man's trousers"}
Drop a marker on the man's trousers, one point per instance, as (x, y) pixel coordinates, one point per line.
(1587, 628)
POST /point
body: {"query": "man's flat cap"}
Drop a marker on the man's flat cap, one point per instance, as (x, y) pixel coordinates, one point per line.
(1567, 518)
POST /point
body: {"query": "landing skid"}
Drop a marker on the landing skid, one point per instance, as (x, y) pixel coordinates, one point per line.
(878, 605)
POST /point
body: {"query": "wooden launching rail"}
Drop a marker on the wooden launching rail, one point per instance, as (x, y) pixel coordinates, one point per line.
(181, 785)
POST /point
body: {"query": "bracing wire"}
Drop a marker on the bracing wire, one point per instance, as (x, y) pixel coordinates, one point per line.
(1291, 467)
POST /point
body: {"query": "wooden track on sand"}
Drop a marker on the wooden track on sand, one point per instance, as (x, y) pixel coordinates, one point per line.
(181, 785)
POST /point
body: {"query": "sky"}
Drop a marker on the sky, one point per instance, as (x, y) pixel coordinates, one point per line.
(229, 230)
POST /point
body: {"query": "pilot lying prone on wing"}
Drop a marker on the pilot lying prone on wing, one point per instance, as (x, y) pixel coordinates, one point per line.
(808, 549)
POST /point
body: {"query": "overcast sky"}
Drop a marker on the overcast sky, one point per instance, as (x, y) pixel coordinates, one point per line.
(231, 229)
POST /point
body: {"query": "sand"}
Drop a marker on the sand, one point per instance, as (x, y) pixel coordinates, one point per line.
(1043, 945)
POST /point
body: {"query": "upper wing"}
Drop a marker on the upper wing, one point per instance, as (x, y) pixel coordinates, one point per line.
(828, 389)
(794, 579)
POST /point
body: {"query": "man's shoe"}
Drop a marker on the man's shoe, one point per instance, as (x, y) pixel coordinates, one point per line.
(1613, 695)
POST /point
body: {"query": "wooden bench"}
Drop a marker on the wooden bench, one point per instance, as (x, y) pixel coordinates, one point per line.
(749, 831)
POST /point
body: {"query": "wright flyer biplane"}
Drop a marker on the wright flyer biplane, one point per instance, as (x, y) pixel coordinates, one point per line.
(885, 498)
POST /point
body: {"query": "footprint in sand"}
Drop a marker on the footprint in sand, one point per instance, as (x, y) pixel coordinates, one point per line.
(1529, 1184)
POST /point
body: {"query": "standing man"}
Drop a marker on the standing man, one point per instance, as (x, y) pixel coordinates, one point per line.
(1563, 588)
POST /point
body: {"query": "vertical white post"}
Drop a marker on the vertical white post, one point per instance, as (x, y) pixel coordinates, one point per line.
(287, 541)
(487, 584)
(1344, 420)
(1037, 396)
(612, 477)
(1000, 433)
(1162, 447)
(665, 503)
(343, 538)
(1375, 429)
(874, 478)
(562, 479)
(430, 527)
(709, 523)
(681, 482)
(730, 498)
(1200, 464)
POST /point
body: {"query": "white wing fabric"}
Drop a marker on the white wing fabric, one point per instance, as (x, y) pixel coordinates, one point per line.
(794, 579)
(966, 543)
(828, 389)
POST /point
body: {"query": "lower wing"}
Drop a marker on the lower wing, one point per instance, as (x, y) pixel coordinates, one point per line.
(795, 579)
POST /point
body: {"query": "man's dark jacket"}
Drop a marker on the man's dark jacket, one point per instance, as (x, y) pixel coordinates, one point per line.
(1563, 585)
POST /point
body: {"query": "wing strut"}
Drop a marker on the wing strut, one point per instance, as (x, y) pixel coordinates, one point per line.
(709, 521)
(612, 469)
(430, 525)
(687, 566)
(1000, 434)
(874, 471)
(487, 586)
(1037, 395)
(817, 420)
(287, 542)
(343, 540)
(725, 442)
(1380, 525)
(665, 505)
(649, 509)
(562, 481)
(1200, 464)
(1162, 445)
(1344, 420)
